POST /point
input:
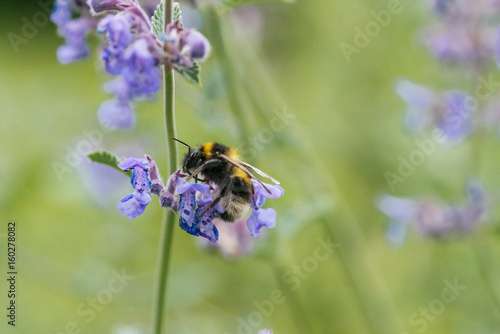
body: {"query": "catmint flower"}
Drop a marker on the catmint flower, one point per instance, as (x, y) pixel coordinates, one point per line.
(194, 218)
(167, 199)
(446, 112)
(195, 199)
(133, 205)
(262, 217)
(432, 218)
(183, 45)
(74, 30)
(266, 331)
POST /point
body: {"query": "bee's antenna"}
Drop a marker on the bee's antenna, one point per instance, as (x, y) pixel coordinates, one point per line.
(183, 143)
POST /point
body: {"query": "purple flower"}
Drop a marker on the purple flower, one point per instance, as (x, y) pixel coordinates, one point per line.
(262, 217)
(234, 239)
(141, 72)
(116, 114)
(432, 218)
(446, 112)
(464, 32)
(61, 12)
(266, 331)
(117, 29)
(75, 32)
(133, 205)
(184, 45)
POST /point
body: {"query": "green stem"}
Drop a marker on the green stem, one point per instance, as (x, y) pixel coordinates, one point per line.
(167, 229)
(229, 71)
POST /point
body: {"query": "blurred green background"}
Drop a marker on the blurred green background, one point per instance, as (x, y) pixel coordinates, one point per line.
(331, 159)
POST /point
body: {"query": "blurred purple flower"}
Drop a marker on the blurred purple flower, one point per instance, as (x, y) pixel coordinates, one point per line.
(116, 114)
(266, 331)
(61, 12)
(446, 111)
(234, 239)
(463, 33)
(262, 217)
(432, 218)
(74, 31)
(141, 72)
(133, 205)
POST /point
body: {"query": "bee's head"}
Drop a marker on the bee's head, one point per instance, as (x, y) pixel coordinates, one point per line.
(192, 160)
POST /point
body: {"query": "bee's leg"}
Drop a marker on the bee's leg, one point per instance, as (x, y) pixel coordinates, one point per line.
(201, 168)
(225, 188)
(253, 195)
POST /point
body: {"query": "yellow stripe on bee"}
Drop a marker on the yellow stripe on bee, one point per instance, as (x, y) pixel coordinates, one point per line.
(207, 149)
(238, 172)
(232, 152)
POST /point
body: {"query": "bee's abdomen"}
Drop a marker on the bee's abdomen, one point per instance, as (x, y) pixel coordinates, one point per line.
(234, 208)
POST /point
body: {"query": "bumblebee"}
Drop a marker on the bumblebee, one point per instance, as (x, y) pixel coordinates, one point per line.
(220, 164)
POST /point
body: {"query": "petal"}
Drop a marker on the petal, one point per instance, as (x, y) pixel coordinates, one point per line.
(261, 218)
(187, 205)
(71, 53)
(196, 46)
(130, 207)
(398, 208)
(397, 232)
(130, 163)
(140, 180)
(189, 186)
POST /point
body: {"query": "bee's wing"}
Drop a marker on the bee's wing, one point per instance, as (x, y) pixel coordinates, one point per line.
(243, 168)
(258, 171)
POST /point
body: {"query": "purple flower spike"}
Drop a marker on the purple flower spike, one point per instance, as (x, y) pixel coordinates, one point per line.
(115, 114)
(133, 205)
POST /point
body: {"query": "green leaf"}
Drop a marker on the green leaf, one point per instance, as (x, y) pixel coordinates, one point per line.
(157, 19)
(177, 13)
(107, 158)
(235, 3)
(191, 74)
